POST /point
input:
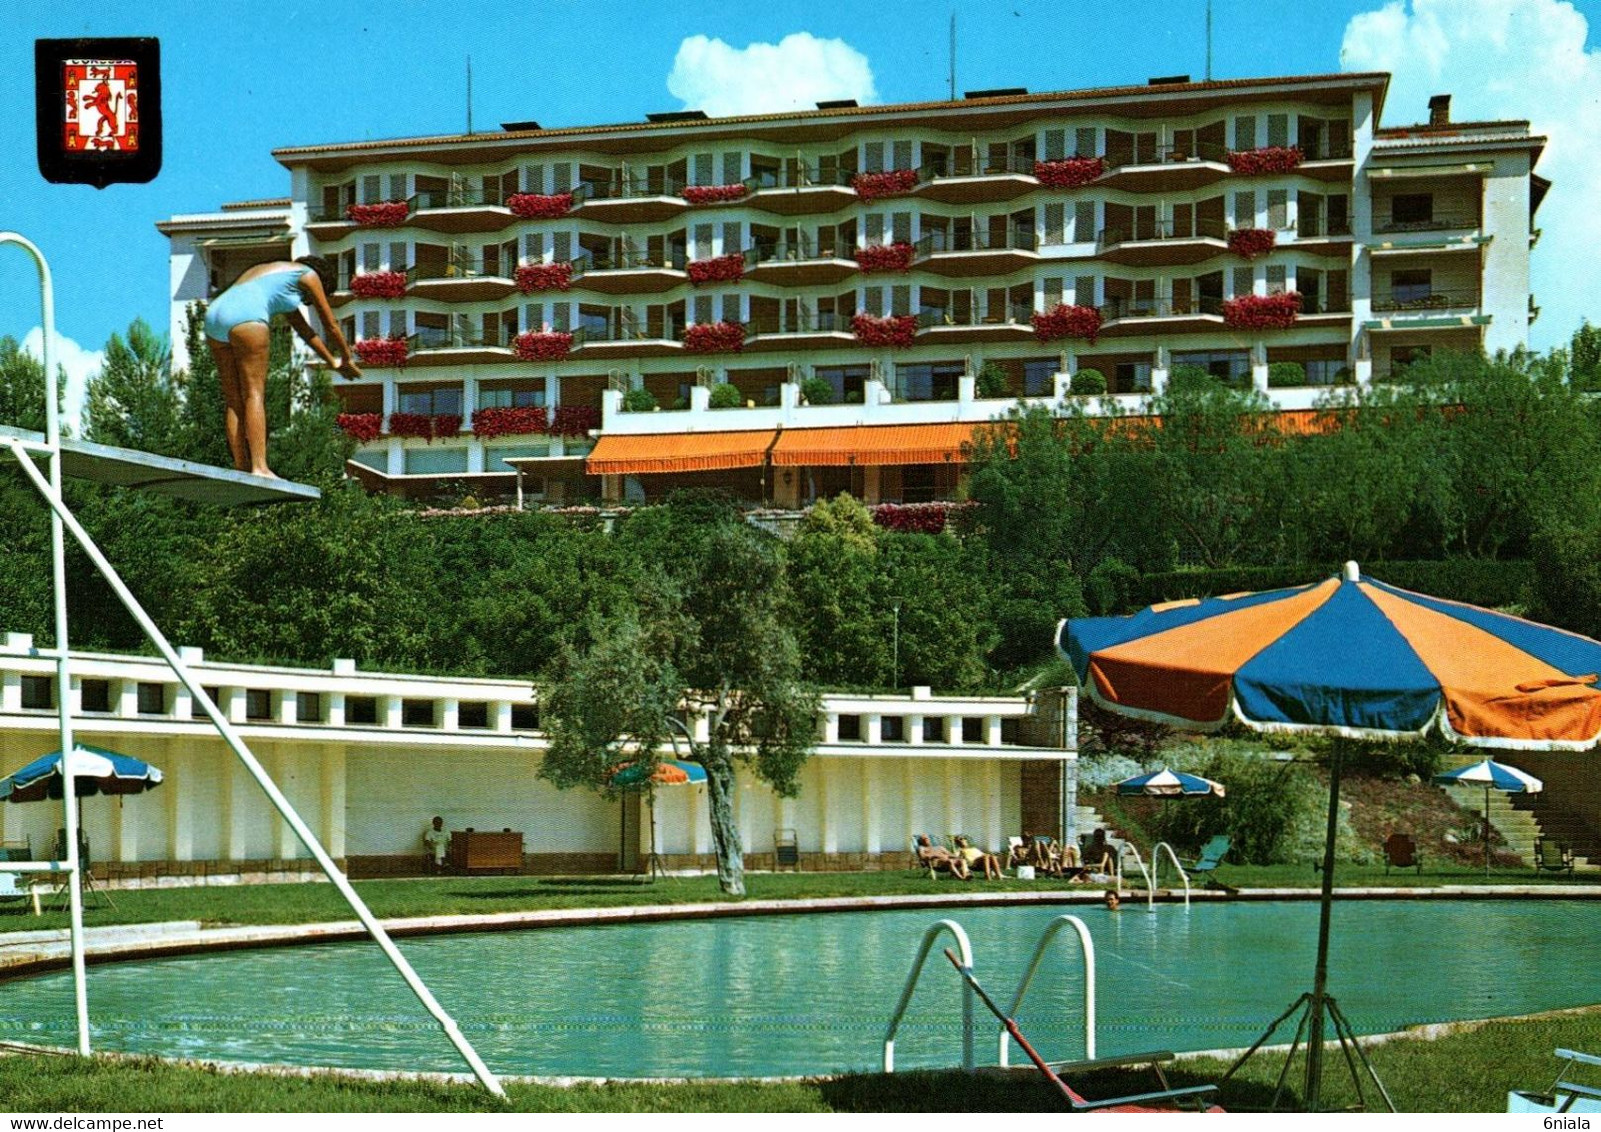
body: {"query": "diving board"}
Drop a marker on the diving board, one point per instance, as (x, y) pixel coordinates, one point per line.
(181, 479)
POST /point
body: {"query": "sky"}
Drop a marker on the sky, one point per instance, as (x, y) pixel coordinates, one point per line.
(242, 78)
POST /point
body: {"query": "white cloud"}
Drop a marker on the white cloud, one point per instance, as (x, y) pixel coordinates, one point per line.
(1508, 59)
(80, 365)
(793, 74)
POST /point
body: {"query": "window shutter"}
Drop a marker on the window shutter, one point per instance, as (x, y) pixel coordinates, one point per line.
(1055, 145)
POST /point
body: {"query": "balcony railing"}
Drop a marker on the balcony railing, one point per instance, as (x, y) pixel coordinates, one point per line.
(1325, 151)
(1433, 301)
(1013, 239)
(457, 338)
(1315, 227)
(1020, 314)
(807, 322)
(628, 259)
(1312, 304)
(457, 267)
(597, 333)
(456, 198)
(1436, 222)
(1161, 308)
(1166, 154)
(1014, 164)
(803, 176)
(619, 187)
(802, 252)
(1162, 230)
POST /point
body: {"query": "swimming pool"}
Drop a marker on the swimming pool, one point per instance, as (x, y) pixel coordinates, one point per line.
(786, 995)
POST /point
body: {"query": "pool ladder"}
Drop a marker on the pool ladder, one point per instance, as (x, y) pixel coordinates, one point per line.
(965, 953)
(1153, 874)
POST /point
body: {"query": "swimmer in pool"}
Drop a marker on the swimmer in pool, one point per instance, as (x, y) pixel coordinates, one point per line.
(236, 332)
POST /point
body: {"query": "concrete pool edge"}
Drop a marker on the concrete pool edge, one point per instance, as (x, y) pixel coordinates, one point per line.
(32, 953)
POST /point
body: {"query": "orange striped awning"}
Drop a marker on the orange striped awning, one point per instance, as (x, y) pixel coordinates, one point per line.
(872, 444)
(679, 452)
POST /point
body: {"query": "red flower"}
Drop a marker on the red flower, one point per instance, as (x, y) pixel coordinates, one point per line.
(422, 426)
(379, 285)
(537, 206)
(1064, 321)
(574, 420)
(894, 330)
(871, 186)
(917, 518)
(714, 194)
(1069, 173)
(1262, 312)
(488, 423)
(719, 269)
(385, 214)
(382, 351)
(1252, 242)
(546, 346)
(715, 338)
(533, 277)
(1268, 159)
(886, 257)
(363, 427)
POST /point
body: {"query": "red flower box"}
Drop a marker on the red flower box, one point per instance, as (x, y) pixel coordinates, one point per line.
(871, 186)
(379, 285)
(421, 426)
(538, 206)
(574, 420)
(1252, 242)
(1064, 321)
(715, 338)
(489, 423)
(917, 518)
(533, 277)
(893, 330)
(362, 427)
(542, 346)
(714, 194)
(728, 268)
(1262, 312)
(385, 214)
(886, 257)
(1068, 173)
(1268, 159)
(382, 351)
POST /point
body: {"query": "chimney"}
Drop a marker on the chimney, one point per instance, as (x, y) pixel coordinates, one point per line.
(1440, 110)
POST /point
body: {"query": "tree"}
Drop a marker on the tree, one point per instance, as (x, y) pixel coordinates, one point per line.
(22, 384)
(834, 574)
(702, 657)
(135, 401)
(1586, 357)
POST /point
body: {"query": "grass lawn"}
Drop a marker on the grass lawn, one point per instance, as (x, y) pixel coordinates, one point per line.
(1465, 1072)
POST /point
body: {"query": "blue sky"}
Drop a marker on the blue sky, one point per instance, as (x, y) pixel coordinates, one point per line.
(242, 78)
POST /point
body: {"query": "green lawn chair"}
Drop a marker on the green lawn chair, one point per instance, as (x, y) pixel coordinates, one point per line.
(1211, 855)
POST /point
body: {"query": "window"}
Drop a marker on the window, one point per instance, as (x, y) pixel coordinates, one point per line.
(1055, 145)
(511, 398)
(38, 692)
(361, 709)
(1403, 356)
(434, 461)
(903, 155)
(1039, 377)
(1055, 224)
(525, 717)
(1327, 371)
(1412, 208)
(1278, 129)
(1232, 366)
(1084, 290)
(472, 714)
(1411, 287)
(1277, 279)
(1084, 222)
(1245, 132)
(848, 382)
(733, 168)
(1084, 141)
(850, 729)
(95, 695)
(892, 729)
(308, 707)
(935, 381)
(1278, 208)
(417, 713)
(1133, 377)
(933, 729)
(873, 157)
(152, 699)
(258, 703)
(214, 694)
(1245, 210)
(1011, 731)
(972, 729)
(1244, 280)
(441, 402)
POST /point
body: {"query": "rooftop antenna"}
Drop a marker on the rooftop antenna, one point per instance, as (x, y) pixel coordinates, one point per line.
(1208, 40)
(953, 55)
(470, 93)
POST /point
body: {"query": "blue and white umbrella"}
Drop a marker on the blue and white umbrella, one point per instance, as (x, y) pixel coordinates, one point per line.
(1167, 783)
(94, 771)
(1492, 776)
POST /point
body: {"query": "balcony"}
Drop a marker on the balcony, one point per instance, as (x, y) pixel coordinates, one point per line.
(1169, 316)
(1161, 169)
(977, 253)
(461, 278)
(1454, 221)
(809, 189)
(969, 182)
(438, 345)
(631, 200)
(790, 265)
(1013, 323)
(1423, 305)
(629, 270)
(1323, 237)
(808, 328)
(620, 338)
(1325, 160)
(460, 210)
(1163, 242)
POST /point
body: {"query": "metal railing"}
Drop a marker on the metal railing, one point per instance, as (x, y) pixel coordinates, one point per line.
(456, 198)
(1014, 313)
(1325, 151)
(1160, 308)
(966, 955)
(802, 252)
(1435, 222)
(628, 259)
(806, 322)
(456, 338)
(619, 187)
(1316, 227)
(1156, 874)
(1158, 230)
(1433, 301)
(1015, 238)
(1011, 165)
(1171, 154)
(1087, 948)
(799, 177)
(457, 267)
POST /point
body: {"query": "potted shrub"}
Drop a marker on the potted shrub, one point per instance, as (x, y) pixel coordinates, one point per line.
(817, 391)
(639, 401)
(1285, 375)
(725, 395)
(991, 381)
(1088, 383)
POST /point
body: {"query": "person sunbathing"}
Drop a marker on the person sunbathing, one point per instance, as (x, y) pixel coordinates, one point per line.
(936, 858)
(974, 856)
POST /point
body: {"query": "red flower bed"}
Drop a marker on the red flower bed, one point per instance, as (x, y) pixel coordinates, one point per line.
(574, 420)
(379, 285)
(1064, 321)
(489, 423)
(915, 518)
(894, 330)
(886, 257)
(382, 351)
(1069, 173)
(1268, 159)
(715, 338)
(385, 214)
(363, 427)
(533, 277)
(728, 268)
(542, 346)
(538, 206)
(1252, 242)
(1262, 312)
(871, 186)
(421, 426)
(714, 194)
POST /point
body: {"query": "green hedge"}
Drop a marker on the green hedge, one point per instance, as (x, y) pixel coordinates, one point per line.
(1478, 581)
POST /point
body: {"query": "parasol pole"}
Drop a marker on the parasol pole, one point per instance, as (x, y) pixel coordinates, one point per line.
(1320, 977)
(1486, 830)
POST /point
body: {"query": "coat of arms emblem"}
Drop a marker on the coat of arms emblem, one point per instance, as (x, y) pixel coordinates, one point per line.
(101, 111)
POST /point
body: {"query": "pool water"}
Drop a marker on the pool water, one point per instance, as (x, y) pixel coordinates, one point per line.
(785, 995)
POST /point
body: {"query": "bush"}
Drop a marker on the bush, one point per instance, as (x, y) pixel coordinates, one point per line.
(726, 396)
(992, 381)
(817, 391)
(1091, 382)
(1285, 375)
(1111, 588)
(639, 401)
(1187, 376)
(1489, 582)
